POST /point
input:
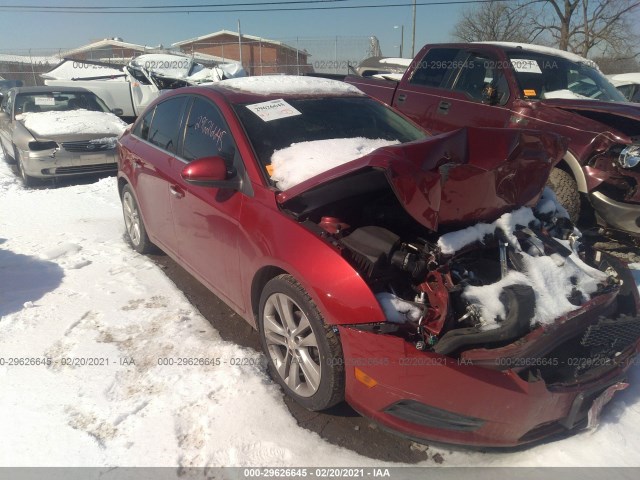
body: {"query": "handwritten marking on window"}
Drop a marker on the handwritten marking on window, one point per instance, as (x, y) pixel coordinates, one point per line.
(208, 127)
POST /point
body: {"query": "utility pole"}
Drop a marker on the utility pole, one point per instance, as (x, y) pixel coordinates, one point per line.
(413, 35)
(240, 41)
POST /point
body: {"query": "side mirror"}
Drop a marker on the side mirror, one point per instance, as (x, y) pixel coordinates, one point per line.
(117, 111)
(211, 172)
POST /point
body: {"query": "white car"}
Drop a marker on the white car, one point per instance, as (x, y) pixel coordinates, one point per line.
(628, 84)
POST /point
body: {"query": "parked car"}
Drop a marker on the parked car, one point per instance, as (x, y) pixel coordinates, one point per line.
(53, 132)
(449, 86)
(628, 84)
(423, 279)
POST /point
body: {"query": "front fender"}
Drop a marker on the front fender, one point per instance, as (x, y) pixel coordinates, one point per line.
(278, 241)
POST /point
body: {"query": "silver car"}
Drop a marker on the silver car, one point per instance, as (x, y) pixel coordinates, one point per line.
(56, 131)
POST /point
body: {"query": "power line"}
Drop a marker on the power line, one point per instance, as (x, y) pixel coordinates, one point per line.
(129, 7)
(182, 9)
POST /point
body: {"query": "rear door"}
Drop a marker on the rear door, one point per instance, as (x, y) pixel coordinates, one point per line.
(151, 151)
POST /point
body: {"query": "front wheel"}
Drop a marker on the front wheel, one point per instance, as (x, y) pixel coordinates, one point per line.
(304, 354)
(27, 180)
(566, 189)
(135, 230)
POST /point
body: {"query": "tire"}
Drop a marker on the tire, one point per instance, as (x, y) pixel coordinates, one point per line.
(566, 190)
(27, 180)
(135, 231)
(304, 354)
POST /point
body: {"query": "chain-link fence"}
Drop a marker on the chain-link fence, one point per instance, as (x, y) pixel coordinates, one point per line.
(299, 55)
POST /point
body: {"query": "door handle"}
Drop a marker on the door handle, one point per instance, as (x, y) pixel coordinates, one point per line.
(443, 107)
(177, 192)
(401, 98)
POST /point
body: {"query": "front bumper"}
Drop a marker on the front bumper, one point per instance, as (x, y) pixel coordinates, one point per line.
(618, 215)
(427, 396)
(49, 164)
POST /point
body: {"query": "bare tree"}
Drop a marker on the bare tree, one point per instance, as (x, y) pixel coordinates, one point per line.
(582, 25)
(495, 21)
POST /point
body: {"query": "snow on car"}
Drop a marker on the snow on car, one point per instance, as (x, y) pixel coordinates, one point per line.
(315, 251)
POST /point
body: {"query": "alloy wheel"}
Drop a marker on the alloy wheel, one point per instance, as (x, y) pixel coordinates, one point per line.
(292, 344)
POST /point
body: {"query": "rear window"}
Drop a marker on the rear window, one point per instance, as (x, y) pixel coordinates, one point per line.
(166, 123)
(436, 67)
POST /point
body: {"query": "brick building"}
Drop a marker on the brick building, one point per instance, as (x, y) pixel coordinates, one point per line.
(260, 56)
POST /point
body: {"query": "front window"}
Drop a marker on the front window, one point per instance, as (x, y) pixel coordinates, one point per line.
(58, 102)
(324, 119)
(544, 76)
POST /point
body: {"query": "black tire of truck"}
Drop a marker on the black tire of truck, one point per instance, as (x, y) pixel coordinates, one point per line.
(566, 190)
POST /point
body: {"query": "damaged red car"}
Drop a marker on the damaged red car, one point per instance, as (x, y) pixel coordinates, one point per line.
(431, 282)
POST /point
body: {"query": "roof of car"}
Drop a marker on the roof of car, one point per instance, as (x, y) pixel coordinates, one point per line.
(47, 89)
(238, 90)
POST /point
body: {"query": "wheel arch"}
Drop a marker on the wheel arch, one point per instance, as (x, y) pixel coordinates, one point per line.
(570, 164)
(260, 279)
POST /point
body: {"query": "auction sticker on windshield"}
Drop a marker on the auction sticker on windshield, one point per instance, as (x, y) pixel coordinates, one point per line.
(44, 100)
(273, 110)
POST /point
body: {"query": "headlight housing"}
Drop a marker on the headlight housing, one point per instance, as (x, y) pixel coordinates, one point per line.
(629, 156)
(40, 146)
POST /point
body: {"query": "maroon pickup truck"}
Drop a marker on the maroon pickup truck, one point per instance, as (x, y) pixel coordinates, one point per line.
(448, 86)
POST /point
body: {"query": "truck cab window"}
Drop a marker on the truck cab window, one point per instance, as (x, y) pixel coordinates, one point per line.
(436, 67)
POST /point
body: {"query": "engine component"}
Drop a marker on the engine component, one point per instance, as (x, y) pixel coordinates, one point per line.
(333, 225)
(519, 302)
(409, 262)
(370, 248)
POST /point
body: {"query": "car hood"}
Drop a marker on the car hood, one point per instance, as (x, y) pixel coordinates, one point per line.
(75, 125)
(454, 179)
(614, 115)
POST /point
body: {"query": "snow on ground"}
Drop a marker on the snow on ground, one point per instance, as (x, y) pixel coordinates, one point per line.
(71, 288)
(290, 84)
(46, 124)
(303, 160)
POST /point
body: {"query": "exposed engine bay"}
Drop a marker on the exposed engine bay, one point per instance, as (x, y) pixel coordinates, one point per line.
(479, 293)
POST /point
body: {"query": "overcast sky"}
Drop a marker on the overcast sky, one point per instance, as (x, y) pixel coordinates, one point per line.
(50, 31)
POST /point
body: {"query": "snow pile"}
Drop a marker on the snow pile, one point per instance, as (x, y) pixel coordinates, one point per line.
(48, 124)
(174, 66)
(75, 69)
(565, 94)
(301, 161)
(398, 310)
(549, 205)
(452, 242)
(553, 278)
(290, 84)
(530, 47)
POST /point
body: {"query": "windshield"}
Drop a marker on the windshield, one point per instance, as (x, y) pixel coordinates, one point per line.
(324, 119)
(543, 76)
(58, 102)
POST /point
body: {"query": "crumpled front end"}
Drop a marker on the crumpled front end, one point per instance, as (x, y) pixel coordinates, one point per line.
(499, 331)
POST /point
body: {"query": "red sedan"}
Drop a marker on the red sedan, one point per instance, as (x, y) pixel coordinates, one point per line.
(431, 282)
